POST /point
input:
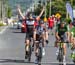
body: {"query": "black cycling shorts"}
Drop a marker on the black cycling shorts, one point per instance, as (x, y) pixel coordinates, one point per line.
(37, 37)
(29, 35)
(63, 37)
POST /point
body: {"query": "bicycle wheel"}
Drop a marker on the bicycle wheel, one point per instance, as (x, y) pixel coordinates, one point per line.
(73, 58)
(39, 56)
(74, 61)
(60, 55)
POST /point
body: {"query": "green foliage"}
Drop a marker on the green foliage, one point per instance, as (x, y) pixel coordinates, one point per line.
(9, 12)
(38, 10)
(57, 6)
(1, 24)
(68, 20)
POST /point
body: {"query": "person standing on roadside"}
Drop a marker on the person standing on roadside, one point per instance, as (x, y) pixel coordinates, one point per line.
(50, 24)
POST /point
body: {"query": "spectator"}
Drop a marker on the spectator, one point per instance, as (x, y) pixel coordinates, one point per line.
(50, 23)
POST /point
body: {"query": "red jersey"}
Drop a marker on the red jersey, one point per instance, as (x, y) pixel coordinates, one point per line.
(50, 22)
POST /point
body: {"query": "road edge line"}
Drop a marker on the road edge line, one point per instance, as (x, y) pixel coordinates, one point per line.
(3, 29)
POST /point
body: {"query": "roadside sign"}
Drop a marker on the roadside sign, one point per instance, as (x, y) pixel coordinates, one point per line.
(58, 15)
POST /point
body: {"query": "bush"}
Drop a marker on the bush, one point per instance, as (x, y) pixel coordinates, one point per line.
(68, 20)
(1, 24)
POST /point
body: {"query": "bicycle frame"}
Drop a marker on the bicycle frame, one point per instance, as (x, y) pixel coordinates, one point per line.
(60, 55)
(39, 46)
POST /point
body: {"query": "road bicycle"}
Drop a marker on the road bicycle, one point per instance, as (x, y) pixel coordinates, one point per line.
(73, 54)
(39, 48)
(61, 52)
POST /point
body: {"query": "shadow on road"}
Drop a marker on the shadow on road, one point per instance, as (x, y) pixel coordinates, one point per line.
(56, 63)
(13, 60)
(23, 61)
(17, 32)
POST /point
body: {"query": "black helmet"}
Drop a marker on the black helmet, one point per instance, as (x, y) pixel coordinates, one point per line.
(29, 14)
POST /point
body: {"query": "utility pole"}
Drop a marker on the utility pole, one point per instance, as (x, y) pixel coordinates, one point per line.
(3, 10)
(50, 8)
(71, 2)
(45, 8)
(45, 19)
(0, 9)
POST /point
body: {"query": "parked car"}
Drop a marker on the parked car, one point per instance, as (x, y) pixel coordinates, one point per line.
(23, 27)
(19, 24)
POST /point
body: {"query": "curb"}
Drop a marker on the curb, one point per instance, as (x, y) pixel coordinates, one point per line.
(4, 28)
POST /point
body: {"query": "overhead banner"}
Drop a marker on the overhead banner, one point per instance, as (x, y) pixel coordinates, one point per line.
(69, 10)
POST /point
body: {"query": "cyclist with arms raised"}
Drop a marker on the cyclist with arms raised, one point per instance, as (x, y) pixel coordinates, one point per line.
(30, 25)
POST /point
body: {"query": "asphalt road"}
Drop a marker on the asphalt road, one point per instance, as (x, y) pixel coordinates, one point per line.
(12, 50)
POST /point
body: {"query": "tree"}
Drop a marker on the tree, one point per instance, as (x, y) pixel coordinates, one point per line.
(8, 9)
(57, 6)
(9, 12)
(4, 9)
(38, 9)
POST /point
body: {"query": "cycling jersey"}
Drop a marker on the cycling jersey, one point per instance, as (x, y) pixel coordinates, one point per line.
(50, 23)
(69, 26)
(30, 25)
(40, 29)
(73, 31)
(61, 31)
(29, 28)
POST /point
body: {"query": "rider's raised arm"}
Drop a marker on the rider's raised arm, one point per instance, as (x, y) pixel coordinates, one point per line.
(20, 12)
(41, 13)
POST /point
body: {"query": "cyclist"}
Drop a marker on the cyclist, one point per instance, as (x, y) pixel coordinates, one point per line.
(72, 37)
(39, 31)
(30, 25)
(51, 23)
(62, 35)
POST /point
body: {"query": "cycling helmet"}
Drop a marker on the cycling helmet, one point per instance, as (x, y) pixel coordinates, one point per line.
(29, 14)
(41, 22)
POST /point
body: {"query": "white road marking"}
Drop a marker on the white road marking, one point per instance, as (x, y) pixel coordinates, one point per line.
(3, 30)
